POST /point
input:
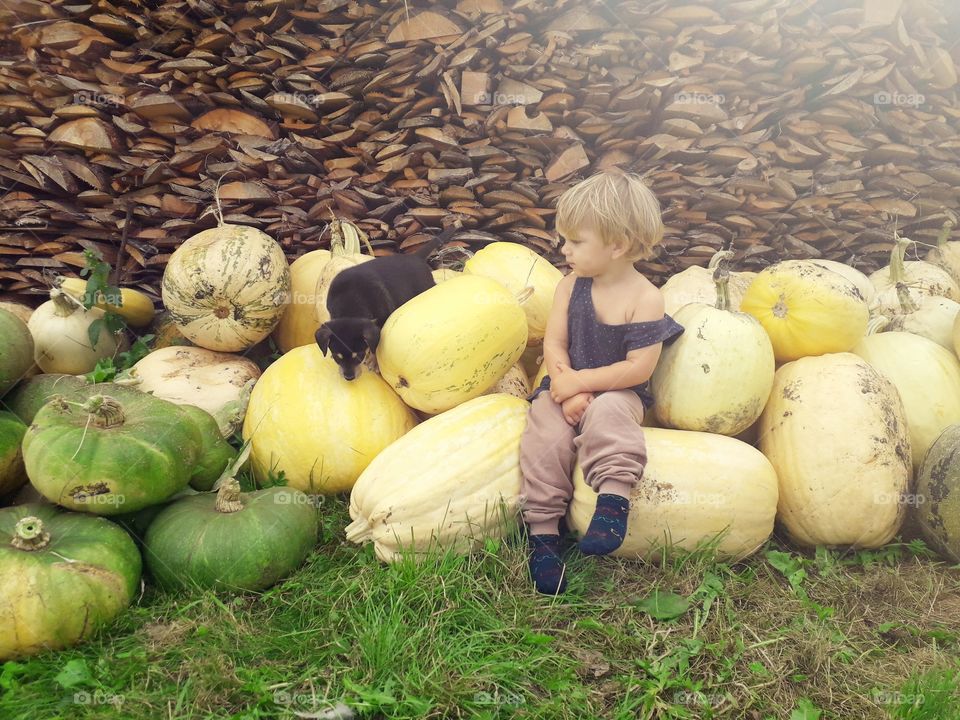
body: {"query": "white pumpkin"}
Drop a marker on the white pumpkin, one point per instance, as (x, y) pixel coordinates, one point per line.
(927, 377)
(697, 489)
(61, 340)
(931, 316)
(835, 431)
(696, 285)
(919, 278)
(448, 484)
(216, 382)
(862, 282)
(227, 287)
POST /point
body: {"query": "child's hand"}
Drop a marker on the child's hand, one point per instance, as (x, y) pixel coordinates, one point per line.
(574, 407)
(565, 384)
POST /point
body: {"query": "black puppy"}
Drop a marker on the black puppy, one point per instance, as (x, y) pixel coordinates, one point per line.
(362, 297)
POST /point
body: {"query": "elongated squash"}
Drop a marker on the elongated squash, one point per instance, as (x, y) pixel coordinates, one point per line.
(135, 307)
(835, 431)
(449, 344)
(697, 489)
(447, 484)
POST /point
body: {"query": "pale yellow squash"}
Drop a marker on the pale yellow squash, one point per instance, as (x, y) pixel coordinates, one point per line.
(696, 285)
(931, 316)
(947, 252)
(835, 431)
(697, 490)
(526, 275)
(443, 274)
(448, 484)
(135, 307)
(299, 321)
(806, 309)
(322, 431)
(61, 341)
(927, 377)
(449, 344)
(226, 287)
(859, 279)
(919, 278)
(717, 375)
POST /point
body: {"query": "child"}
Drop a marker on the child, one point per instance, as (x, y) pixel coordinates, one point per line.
(602, 343)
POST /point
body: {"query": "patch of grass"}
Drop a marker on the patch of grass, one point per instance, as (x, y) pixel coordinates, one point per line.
(780, 635)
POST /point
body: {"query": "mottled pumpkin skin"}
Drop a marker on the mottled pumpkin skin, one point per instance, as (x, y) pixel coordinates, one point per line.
(935, 505)
(16, 350)
(12, 474)
(48, 602)
(144, 460)
(191, 544)
(30, 395)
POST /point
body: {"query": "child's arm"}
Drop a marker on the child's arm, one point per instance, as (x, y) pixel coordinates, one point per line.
(636, 369)
(556, 343)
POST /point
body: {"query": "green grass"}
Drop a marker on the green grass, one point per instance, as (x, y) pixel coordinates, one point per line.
(781, 635)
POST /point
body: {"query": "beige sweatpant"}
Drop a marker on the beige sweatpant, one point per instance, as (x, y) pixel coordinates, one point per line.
(608, 442)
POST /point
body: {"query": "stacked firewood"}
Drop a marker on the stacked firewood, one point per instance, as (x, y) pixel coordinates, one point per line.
(775, 128)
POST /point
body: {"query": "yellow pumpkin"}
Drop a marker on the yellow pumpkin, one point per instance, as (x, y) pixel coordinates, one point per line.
(836, 433)
(449, 344)
(717, 375)
(806, 309)
(526, 275)
(299, 321)
(226, 287)
(135, 307)
(448, 484)
(304, 419)
(919, 278)
(927, 377)
(697, 489)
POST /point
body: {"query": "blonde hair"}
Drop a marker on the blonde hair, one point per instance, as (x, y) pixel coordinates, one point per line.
(618, 206)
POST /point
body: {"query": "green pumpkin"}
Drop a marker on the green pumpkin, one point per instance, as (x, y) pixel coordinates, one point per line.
(62, 577)
(110, 450)
(215, 452)
(935, 504)
(30, 395)
(12, 474)
(231, 540)
(16, 350)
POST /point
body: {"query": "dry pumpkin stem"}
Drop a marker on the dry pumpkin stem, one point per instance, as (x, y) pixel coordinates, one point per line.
(228, 497)
(29, 535)
(104, 411)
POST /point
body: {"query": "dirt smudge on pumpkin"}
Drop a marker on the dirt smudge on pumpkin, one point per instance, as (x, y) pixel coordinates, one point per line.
(791, 391)
(80, 493)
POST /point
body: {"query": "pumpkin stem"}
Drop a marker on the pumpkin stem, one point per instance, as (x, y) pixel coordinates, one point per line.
(877, 323)
(719, 257)
(945, 231)
(104, 411)
(64, 304)
(898, 272)
(28, 534)
(359, 531)
(907, 304)
(228, 497)
(721, 278)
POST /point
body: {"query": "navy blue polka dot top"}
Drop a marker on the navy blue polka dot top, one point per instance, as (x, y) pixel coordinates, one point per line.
(594, 344)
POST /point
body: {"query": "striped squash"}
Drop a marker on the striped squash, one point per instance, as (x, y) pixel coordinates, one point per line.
(227, 287)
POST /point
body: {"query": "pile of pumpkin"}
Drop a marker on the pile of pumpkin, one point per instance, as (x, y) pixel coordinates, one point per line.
(808, 394)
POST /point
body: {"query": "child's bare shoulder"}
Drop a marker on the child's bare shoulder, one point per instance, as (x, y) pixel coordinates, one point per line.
(649, 302)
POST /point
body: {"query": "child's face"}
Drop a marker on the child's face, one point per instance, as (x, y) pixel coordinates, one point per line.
(586, 254)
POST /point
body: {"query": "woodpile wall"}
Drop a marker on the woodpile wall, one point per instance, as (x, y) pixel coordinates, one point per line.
(777, 128)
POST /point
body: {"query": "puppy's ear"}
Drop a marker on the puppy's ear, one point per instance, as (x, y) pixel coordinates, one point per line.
(371, 336)
(322, 337)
